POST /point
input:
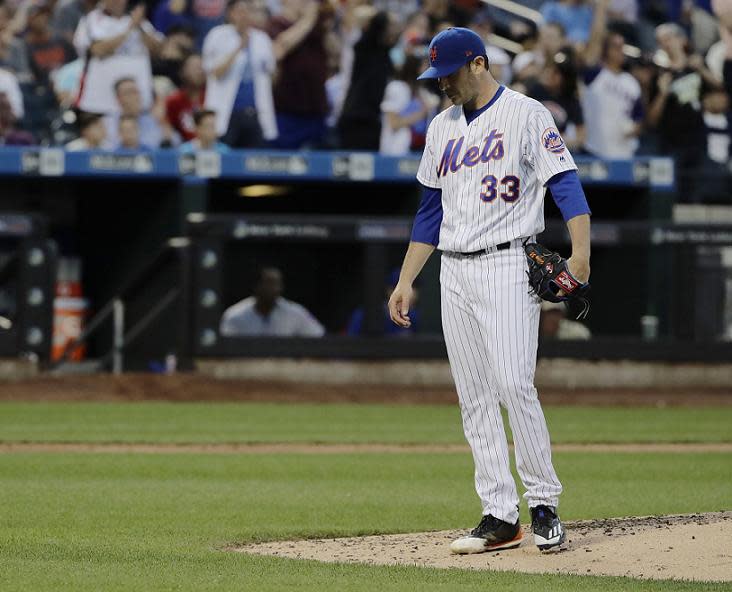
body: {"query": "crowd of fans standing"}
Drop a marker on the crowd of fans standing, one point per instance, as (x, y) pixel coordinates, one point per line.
(620, 77)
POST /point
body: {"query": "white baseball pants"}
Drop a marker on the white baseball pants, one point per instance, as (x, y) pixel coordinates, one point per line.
(491, 324)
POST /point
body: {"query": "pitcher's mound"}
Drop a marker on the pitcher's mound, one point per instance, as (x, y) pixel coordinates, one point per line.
(689, 547)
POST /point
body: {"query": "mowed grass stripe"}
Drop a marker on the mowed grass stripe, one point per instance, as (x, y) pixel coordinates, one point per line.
(331, 448)
(159, 522)
(336, 423)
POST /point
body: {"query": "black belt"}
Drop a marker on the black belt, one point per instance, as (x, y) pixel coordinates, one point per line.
(500, 247)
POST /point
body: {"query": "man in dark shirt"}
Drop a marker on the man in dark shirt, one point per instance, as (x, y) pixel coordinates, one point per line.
(359, 126)
(44, 52)
(556, 89)
(676, 110)
(298, 35)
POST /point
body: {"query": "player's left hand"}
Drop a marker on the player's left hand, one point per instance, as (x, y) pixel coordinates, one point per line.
(579, 268)
(399, 302)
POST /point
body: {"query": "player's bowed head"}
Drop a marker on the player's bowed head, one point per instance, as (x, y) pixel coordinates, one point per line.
(459, 62)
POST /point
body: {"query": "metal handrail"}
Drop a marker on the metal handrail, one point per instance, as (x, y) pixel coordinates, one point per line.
(122, 341)
(116, 309)
(517, 9)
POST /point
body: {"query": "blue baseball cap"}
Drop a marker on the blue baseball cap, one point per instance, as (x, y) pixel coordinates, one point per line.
(451, 49)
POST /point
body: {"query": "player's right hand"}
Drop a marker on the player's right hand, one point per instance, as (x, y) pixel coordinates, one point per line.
(399, 302)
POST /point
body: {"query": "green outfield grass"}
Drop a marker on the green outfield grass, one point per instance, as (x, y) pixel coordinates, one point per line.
(156, 522)
(261, 422)
(81, 521)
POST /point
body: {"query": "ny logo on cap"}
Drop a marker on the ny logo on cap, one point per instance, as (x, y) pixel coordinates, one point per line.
(433, 54)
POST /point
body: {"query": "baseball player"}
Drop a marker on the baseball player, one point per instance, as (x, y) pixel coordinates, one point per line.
(485, 167)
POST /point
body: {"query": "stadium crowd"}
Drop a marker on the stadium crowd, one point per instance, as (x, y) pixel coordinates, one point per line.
(621, 77)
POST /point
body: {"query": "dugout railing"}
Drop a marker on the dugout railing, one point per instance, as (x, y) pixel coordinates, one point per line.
(119, 326)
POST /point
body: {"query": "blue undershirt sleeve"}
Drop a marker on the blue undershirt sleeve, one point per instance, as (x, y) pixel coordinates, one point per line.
(426, 228)
(568, 194)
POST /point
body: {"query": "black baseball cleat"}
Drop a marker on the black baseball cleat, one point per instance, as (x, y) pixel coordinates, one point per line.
(491, 534)
(547, 528)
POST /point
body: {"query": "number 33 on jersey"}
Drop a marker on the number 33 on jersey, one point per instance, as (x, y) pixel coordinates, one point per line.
(492, 168)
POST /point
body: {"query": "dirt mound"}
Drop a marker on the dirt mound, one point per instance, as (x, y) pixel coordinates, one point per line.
(690, 547)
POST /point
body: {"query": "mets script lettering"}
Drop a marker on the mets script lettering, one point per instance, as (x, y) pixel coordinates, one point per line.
(452, 159)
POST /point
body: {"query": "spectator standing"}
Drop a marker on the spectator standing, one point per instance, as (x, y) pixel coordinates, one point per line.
(721, 52)
(205, 137)
(268, 314)
(12, 54)
(499, 62)
(45, 53)
(623, 18)
(298, 34)
(402, 9)
(717, 124)
(556, 89)
(66, 82)
(354, 18)
(612, 98)
(200, 15)
(239, 62)
(9, 134)
(360, 122)
(575, 16)
(92, 132)
(67, 14)
(177, 45)
(528, 64)
(443, 11)
(676, 110)
(11, 89)
(405, 106)
(182, 104)
(130, 105)
(716, 170)
(116, 45)
(169, 14)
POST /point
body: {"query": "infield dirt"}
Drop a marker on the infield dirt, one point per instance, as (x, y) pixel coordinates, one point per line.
(197, 387)
(687, 547)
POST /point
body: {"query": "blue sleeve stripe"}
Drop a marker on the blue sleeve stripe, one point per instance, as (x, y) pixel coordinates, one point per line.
(427, 222)
(568, 195)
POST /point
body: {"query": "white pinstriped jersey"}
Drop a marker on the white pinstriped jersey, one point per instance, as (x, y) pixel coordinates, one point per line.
(492, 171)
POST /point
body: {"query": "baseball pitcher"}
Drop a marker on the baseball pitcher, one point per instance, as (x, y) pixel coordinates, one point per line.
(484, 172)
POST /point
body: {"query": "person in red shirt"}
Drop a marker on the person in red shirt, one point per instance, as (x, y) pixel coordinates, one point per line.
(182, 104)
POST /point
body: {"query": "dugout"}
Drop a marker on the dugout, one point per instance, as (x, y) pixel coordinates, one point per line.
(117, 211)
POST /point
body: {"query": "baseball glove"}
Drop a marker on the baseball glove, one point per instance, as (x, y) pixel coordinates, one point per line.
(550, 279)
